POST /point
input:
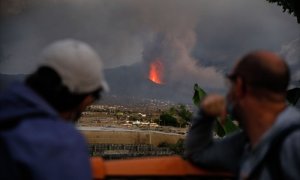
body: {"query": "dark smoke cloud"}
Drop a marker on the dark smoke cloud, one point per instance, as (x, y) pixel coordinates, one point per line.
(197, 40)
(240, 27)
(109, 28)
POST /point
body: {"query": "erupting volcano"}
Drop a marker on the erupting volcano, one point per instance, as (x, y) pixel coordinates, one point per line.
(156, 71)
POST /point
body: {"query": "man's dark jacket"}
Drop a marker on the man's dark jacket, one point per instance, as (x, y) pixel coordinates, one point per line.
(42, 145)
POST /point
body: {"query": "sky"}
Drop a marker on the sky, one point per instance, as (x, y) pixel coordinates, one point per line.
(199, 40)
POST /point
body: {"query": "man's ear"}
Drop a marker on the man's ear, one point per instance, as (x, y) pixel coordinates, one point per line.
(88, 100)
(241, 88)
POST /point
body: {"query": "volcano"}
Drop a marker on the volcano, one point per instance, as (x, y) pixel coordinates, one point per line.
(134, 81)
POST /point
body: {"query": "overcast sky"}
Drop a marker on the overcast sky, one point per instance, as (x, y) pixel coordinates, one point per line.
(202, 38)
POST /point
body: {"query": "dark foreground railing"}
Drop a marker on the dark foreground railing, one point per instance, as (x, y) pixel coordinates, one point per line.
(166, 167)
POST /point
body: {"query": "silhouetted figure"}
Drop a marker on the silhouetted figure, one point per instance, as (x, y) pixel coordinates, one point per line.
(36, 116)
(268, 146)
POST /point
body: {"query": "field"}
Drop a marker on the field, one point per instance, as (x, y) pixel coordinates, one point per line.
(130, 137)
(116, 124)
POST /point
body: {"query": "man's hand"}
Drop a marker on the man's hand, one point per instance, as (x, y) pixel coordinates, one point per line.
(214, 106)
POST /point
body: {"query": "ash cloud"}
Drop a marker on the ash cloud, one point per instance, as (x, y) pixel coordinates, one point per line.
(109, 28)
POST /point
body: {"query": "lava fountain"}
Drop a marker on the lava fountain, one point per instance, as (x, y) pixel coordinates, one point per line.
(156, 71)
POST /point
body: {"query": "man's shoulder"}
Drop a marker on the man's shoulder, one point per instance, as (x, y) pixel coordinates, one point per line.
(290, 112)
(288, 128)
(291, 142)
(290, 145)
(290, 154)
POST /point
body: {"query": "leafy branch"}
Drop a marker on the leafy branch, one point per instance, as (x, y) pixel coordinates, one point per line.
(221, 130)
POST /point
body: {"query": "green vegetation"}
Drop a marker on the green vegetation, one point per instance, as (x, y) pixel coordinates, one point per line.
(177, 116)
(199, 95)
(177, 148)
(167, 119)
(220, 130)
(227, 128)
(293, 96)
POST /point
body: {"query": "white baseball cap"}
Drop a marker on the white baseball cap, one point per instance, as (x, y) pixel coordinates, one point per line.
(78, 65)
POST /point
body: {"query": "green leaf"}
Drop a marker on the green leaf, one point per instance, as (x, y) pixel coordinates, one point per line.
(199, 95)
(229, 126)
(219, 129)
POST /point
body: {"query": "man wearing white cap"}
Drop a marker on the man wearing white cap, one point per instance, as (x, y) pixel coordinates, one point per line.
(36, 117)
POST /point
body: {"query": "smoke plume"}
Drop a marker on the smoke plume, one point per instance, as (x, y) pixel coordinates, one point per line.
(195, 40)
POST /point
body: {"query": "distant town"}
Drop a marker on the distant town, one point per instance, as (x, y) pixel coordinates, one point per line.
(143, 115)
(134, 129)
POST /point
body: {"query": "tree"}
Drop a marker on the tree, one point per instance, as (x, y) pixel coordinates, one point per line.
(167, 119)
(177, 116)
(184, 113)
(292, 6)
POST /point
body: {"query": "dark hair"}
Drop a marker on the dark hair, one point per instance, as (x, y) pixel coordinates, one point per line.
(257, 73)
(48, 84)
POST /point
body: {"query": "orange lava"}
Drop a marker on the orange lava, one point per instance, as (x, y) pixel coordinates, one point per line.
(156, 71)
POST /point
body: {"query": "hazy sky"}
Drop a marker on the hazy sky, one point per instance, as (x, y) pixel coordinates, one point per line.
(200, 38)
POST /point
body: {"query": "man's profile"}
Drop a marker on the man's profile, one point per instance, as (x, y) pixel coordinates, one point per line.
(268, 145)
(36, 116)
